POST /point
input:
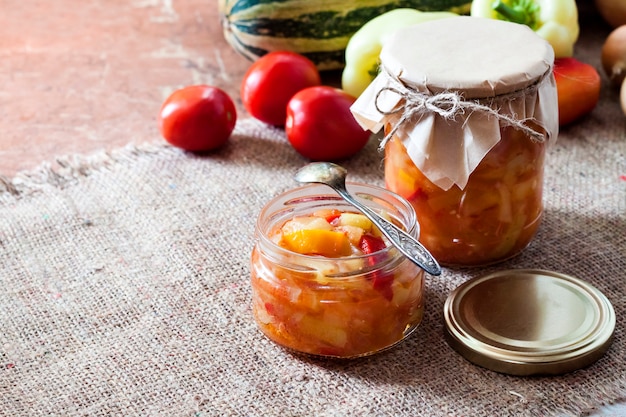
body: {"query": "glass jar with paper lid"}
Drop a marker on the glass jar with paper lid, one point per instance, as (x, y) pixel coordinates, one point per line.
(469, 107)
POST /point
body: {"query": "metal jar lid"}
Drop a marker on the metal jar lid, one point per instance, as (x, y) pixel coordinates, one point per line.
(529, 322)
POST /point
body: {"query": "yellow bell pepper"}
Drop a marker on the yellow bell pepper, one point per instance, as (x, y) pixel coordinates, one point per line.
(554, 20)
(364, 46)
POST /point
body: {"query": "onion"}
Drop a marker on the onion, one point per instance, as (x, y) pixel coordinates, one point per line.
(614, 55)
(613, 11)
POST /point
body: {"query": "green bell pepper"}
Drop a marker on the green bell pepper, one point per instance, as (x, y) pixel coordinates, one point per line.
(363, 49)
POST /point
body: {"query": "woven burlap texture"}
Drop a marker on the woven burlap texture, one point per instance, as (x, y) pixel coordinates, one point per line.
(125, 290)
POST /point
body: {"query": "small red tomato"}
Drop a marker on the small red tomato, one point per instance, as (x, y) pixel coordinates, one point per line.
(320, 125)
(578, 88)
(272, 80)
(197, 118)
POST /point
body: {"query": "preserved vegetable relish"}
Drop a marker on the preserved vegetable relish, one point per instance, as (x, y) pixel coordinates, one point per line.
(326, 282)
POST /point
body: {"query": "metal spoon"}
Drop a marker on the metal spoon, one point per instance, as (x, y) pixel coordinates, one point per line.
(334, 176)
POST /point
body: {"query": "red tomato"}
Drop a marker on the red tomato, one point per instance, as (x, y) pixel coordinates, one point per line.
(578, 88)
(197, 118)
(272, 80)
(320, 125)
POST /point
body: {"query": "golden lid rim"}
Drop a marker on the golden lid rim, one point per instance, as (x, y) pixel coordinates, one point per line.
(586, 336)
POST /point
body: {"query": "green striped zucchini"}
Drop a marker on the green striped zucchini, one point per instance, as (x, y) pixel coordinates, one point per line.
(318, 29)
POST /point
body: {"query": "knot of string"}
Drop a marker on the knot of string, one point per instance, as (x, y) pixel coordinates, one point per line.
(447, 105)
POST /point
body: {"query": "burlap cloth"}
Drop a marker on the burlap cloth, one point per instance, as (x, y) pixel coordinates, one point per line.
(124, 289)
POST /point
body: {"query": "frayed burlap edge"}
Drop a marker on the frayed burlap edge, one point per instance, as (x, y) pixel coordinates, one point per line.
(67, 169)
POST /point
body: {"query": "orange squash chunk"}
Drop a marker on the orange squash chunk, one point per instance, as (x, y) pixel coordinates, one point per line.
(327, 243)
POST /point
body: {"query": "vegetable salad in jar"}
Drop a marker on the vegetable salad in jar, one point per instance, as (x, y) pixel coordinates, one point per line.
(466, 133)
(326, 282)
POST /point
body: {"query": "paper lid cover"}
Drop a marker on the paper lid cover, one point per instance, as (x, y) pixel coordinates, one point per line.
(481, 57)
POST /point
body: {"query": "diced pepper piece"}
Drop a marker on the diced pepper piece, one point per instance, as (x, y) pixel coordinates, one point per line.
(329, 215)
(370, 244)
(404, 184)
(383, 284)
(306, 223)
(380, 281)
(356, 220)
(354, 233)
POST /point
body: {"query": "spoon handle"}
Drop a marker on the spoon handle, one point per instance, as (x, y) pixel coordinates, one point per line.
(406, 243)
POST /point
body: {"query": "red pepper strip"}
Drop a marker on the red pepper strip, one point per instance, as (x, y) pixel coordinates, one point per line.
(370, 244)
(381, 282)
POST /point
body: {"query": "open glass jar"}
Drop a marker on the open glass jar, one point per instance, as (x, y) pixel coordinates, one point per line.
(345, 305)
(466, 132)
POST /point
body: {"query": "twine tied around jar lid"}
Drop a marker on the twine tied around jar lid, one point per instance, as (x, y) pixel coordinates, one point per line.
(449, 104)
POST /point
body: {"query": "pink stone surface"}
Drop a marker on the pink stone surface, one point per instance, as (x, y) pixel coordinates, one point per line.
(82, 76)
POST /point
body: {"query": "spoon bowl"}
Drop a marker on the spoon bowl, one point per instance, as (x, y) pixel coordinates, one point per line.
(334, 176)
